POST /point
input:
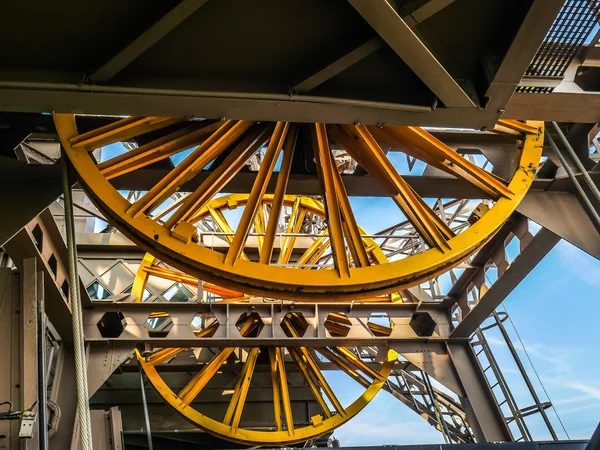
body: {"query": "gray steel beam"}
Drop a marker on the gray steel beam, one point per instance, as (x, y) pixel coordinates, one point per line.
(481, 258)
(316, 334)
(32, 188)
(64, 395)
(146, 40)
(581, 107)
(563, 214)
(384, 19)
(483, 414)
(531, 34)
(109, 100)
(29, 338)
(525, 262)
(10, 352)
(23, 246)
(308, 184)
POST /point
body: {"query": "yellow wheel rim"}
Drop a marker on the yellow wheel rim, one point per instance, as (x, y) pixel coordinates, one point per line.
(354, 276)
(284, 430)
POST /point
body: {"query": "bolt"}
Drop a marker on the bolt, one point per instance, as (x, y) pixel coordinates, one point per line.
(500, 111)
(156, 237)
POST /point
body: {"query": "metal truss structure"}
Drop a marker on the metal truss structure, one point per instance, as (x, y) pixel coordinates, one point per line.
(238, 171)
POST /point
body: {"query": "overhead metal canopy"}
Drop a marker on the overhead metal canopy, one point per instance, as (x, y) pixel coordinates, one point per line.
(308, 60)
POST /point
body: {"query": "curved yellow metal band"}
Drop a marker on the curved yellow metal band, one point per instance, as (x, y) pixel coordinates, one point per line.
(252, 437)
(301, 285)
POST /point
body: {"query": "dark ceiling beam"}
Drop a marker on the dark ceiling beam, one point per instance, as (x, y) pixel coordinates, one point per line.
(369, 47)
(111, 100)
(146, 40)
(384, 19)
(524, 263)
(522, 50)
(424, 12)
(338, 66)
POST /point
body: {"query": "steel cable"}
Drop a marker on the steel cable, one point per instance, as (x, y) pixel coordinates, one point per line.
(83, 407)
(592, 211)
(586, 176)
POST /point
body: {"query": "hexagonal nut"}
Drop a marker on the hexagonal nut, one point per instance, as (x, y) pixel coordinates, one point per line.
(112, 324)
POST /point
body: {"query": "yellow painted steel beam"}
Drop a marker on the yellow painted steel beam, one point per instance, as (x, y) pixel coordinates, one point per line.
(219, 177)
(212, 147)
(120, 131)
(156, 150)
(332, 209)
(258, 191)
(278, 197)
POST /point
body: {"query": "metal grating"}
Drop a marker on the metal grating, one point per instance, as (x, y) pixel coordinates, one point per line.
(574, 23)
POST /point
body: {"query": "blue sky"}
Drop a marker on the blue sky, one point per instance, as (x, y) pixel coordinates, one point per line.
(555, 311)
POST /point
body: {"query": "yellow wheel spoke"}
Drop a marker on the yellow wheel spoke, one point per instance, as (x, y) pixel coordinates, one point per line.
(276, 388)
(353, 237)
(345, 367)
(310, 381)
(314, 368)
(294, 225)
(164, 354)
(221, 222)
(212, 147)
(238, 399)
(219, 177)
(196, 384)
(422, 145)
(325, 167)
(316, 250)
(120, 131)
(157, 150)
(280, 188)
(367, 152)
(354, 360)
(258, 191)
(285, 394)
(259, 228)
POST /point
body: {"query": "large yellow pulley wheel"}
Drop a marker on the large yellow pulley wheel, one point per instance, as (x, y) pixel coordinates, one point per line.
(173, 236)
(284, 429)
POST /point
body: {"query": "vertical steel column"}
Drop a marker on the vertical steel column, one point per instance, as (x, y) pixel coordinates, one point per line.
(145, 404)
(41, 365)
(83, 406)
(29, 382)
